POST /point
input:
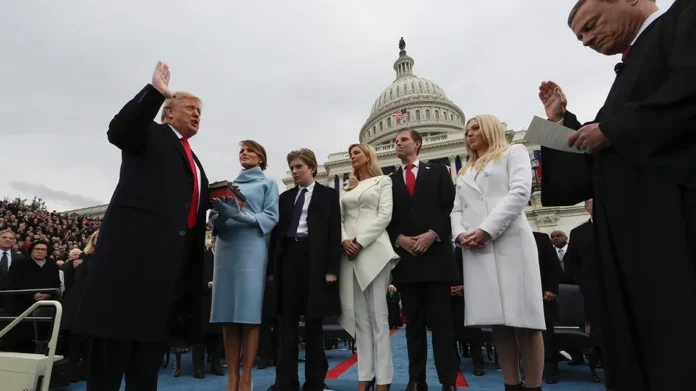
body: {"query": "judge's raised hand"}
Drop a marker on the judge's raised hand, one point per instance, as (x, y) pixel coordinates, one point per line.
(554, 100)
(160, 79)
(589, 138)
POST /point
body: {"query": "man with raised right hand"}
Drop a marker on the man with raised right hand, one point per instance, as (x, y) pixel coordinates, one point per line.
(143, 288)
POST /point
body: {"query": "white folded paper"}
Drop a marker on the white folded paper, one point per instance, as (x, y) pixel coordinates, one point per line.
(550, 135)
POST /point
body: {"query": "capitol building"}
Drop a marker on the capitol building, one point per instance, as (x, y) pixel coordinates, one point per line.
(413, 102)
(441, 123)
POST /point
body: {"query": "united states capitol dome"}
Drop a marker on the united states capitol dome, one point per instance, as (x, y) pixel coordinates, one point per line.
(410, 102)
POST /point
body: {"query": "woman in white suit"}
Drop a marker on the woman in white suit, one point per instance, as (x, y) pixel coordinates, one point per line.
(366, 210)
(502, 281)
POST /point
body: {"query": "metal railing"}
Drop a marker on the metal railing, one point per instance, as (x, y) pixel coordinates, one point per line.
(53, 341)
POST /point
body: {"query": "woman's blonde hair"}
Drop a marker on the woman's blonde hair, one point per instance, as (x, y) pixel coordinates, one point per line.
(372, 165)
(493, 133)
(91, 243)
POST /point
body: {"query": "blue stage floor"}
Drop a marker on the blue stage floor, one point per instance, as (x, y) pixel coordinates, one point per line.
(572, 378)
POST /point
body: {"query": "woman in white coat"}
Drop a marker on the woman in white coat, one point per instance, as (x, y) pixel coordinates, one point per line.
(502, 281)
(366, 210)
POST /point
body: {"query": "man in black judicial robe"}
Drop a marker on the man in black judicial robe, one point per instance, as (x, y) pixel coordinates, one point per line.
(640, 170)
(303, 263)
(551, 275)
(143, 288)
(423, 196)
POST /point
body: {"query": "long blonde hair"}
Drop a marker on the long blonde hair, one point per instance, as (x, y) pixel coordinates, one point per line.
(372, 165)
(493, 133)
(91, 243)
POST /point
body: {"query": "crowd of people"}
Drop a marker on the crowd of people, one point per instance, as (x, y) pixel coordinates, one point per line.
(31, 221)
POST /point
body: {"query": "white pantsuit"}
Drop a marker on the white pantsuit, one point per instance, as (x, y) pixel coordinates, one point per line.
(502, 281)
(365, 213)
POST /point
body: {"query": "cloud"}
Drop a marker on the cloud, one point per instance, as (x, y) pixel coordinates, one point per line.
(59, 196)
(292, 74)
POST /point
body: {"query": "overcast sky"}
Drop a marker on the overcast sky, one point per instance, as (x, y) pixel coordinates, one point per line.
(288, 74)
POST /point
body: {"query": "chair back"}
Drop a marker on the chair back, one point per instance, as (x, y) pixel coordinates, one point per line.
(571, 307)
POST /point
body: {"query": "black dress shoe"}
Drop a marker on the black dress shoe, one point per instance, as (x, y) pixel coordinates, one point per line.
(414, 386)
(199, 374)
(217, 371)
(516, 387)
(478, 371)
(551, 372)
(449, 388)
(263, 363)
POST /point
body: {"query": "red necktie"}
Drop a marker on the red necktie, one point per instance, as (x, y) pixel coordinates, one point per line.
(410, 179)
(625, 53)
(193, 211)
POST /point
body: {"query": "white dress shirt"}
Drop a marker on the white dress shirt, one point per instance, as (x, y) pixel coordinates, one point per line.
(198, 170)
(414, 170)
(302, 228)
(647, 23)
(558, 251)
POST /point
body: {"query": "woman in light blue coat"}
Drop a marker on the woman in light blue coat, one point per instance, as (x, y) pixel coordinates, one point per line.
(241, 255)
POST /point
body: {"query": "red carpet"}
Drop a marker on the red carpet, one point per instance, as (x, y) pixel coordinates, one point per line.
(340, 368)
(343, 366)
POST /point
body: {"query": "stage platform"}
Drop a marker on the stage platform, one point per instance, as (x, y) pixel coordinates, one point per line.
(343, 374)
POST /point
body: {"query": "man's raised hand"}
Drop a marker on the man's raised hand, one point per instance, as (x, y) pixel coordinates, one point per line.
(160, 79)
(554, 100)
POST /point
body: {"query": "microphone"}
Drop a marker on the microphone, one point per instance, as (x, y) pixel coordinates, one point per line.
(618, 68)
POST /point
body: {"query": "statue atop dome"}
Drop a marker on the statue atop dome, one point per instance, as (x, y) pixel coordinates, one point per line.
(402, 44)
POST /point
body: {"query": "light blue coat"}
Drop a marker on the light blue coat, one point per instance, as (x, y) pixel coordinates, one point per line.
(241, 249)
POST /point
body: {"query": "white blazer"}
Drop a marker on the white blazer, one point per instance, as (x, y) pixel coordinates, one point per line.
(502, 282)
(366, 211)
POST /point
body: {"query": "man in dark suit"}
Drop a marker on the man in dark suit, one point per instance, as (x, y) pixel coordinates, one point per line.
(144, 284)
(639, 152)
(420, 230)
(551, 274)
(7, 258)
(304, 262)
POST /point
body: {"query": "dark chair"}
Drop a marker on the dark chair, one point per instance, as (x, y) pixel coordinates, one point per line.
(570, 328)
(333, 330)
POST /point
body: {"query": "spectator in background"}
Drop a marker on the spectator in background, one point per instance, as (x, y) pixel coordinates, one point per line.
(36, 272)
(75, 272)
(8, 256)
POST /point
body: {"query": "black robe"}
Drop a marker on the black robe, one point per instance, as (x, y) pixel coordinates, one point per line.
(644, 189)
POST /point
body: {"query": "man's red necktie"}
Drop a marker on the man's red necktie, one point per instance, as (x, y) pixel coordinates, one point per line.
(625, 53)
(193, 211)
(410, 179)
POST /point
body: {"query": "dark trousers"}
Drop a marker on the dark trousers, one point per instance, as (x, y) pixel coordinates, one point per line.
(428, 305)
(268, 339)
(110, 359)
(211, 344)
(294, 282)
(78, 347)
(550, 345)
(472, 335)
